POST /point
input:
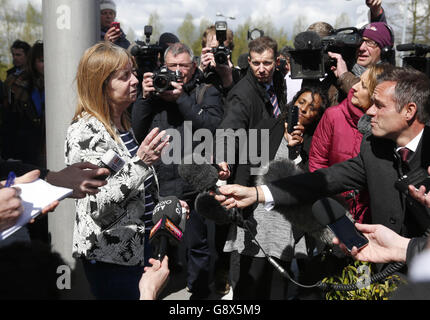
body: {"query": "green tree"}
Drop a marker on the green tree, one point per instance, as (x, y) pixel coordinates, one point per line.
(241, 40)
(197, 44)
(32, 28)
(300, 25)
(187, 31)
(131, 35)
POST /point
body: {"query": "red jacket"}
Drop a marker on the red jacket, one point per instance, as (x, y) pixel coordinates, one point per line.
(337, 139)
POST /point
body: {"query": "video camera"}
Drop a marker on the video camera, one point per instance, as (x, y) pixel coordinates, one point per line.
(163, 77)
(146, 54)
(310, 59)
(416, 59)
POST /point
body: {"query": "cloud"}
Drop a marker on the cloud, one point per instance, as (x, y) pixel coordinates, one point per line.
(282, 13)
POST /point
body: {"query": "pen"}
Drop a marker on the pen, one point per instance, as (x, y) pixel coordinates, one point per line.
(10, 179)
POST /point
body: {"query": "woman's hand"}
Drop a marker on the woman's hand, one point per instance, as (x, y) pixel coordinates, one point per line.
(150, 149)
(296, 137)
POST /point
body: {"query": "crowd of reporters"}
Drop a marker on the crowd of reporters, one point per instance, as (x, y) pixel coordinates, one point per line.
(165, 87)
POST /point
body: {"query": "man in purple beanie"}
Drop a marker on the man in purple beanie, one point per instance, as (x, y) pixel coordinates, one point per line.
(376, 36)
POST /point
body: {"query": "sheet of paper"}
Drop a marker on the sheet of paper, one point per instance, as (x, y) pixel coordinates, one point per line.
(35, 196)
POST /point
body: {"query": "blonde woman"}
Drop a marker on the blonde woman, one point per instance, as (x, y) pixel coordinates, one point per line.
(111, 228)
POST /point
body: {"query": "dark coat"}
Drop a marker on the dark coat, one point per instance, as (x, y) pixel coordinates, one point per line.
(377, 166)
(155, 112)
(247, 104)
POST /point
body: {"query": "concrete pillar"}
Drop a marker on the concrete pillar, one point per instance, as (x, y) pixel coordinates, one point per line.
(69, 28)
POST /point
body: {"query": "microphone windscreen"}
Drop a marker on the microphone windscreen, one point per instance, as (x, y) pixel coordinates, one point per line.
(327, 211)
(169, 207)
(300, 216)
(206, 205)
(202, 177)
(308, 40)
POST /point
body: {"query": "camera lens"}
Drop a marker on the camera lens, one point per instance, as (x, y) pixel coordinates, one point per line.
(221, 58)
(161, 83)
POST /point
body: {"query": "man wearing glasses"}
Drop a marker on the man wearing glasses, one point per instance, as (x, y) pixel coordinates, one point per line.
(175, 109)
(375, 37)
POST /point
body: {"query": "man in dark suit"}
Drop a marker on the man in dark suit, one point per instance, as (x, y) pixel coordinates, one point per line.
(398, 117)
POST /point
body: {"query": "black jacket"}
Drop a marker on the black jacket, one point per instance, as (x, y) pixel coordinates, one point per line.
(155, 112)
(377, 166)
(247, 104)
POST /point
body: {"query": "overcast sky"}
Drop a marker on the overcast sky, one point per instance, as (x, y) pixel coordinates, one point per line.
(283, 13)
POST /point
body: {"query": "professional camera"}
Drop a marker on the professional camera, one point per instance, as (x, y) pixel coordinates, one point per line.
(146, 54)
(221, 53)
(162, 78)
(417, 59)
(310, 60)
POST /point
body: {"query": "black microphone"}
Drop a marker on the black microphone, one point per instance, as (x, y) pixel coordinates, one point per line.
(111, 161)
(203, 177)
(300, 215)
(327, 211)
(211, 209)
(413, 46)
(308, 40)
(167, 217)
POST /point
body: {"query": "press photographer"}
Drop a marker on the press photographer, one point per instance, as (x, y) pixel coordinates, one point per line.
(215, 61)
(170, 109)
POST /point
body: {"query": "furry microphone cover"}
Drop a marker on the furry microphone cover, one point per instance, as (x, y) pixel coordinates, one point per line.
(299, 216)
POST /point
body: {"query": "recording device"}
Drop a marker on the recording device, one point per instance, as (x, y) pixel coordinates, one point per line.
(331, 213)
(417, 59)
(203, 177)
(221, 53)
(310, 58)
(163, 77)
(111, 161)
(168, 218)
(292, 118)
(146, 54)
(116, 25)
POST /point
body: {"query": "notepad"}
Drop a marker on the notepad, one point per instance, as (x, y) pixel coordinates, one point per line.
(35, 196)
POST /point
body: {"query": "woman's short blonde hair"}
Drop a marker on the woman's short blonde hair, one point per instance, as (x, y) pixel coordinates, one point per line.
(374, 72)
(96, 66)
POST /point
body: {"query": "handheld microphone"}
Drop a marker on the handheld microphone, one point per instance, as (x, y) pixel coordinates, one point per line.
(167, 218)
(111, 161)
(413, 46)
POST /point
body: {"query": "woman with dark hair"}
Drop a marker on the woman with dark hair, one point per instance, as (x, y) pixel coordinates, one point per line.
(274, 232)
(24, 114)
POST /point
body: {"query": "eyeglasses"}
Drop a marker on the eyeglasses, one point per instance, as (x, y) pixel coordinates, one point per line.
(179, 65)
(370, 43)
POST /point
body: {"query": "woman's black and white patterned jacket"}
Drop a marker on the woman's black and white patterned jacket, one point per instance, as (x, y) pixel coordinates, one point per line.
(108, 225)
